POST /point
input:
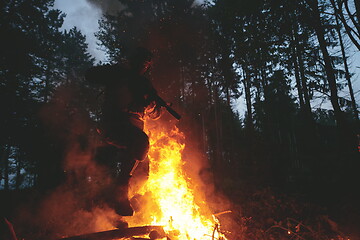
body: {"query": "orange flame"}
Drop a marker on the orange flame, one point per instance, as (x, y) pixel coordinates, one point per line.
(173, 203)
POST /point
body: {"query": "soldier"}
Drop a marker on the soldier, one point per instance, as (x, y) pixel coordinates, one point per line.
(128, 94)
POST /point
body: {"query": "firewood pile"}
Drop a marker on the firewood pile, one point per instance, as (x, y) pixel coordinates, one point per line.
(138, 233)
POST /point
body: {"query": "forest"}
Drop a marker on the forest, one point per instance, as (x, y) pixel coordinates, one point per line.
(264, 87)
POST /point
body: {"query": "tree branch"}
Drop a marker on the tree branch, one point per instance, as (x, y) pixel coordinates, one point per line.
(348, 29)
(356, 24)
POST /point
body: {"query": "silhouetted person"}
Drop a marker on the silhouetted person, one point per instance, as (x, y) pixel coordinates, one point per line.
(127, 95)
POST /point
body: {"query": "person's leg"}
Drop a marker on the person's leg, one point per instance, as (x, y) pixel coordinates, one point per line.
(120, 161)
(115, 179)
(137, 149)
(139, 146)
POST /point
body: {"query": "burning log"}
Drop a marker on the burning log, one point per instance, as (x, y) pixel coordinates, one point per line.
(121, 233)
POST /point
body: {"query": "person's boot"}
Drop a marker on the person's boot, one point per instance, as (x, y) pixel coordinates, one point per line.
(119, 224)
(122, 204)
(123, 208)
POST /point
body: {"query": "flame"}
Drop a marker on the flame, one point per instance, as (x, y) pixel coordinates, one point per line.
(173, 203)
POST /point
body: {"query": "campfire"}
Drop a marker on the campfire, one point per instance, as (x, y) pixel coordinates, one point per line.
(171, 200)
(167, 202)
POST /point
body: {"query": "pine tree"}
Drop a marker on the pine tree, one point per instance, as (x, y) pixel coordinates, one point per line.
(36, 58)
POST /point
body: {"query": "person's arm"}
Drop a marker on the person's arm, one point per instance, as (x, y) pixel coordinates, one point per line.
(153, 96)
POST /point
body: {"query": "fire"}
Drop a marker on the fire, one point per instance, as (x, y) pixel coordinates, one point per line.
(173, 203)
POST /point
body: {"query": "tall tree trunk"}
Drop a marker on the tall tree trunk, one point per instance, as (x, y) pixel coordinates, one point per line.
(228, 100)
(203, 128)
(305, 91)
(297, 76)
(330, 75)
(227, 70)
(18, 170)
(264, 82)
(347, 73)
(210, 91)
(247, 87)
(180, 81)
(259, 91)
(299, 68)
(47, 89)
(218, 131)
(357, 8)
(182, 84)
(193, 90)
(5, 161)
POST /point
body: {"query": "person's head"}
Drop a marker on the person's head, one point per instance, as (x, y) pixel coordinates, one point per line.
(140, 59)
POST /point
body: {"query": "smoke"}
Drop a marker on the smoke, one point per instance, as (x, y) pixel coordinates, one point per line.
(108, 6)
(75, 206)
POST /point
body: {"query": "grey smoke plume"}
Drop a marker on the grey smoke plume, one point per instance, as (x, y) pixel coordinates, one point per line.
(108, 6)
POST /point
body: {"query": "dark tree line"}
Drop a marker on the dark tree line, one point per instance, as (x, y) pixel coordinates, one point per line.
(283, 58)
(36, 58)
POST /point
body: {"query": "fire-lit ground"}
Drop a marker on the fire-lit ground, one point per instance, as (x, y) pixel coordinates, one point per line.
(171, 196)
(168, 195)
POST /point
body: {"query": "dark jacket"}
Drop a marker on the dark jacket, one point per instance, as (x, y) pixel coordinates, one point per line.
(127, 93)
